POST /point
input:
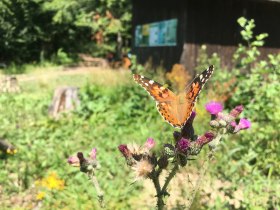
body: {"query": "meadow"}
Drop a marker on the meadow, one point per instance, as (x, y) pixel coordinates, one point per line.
(113, 110)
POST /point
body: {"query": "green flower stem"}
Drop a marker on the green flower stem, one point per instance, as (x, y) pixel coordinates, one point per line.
(100, 193)
(213, 145)
(161, 192)
(155, 179)
(168, 179)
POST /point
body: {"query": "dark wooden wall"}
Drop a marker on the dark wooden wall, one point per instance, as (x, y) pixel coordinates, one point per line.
(205, 22)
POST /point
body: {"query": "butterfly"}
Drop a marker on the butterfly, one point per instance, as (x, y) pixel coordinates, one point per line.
(175, 109)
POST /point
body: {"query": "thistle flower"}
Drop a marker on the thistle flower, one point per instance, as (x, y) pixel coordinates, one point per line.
(85, 164)
(183, 145)
(74, 161)
(244, 124)
(150, 143)
(142, 169)
(226, 117)
(206, 138)
(124, 150)
(193, 115)
(92, 154)
(236, 111)
(214, 107)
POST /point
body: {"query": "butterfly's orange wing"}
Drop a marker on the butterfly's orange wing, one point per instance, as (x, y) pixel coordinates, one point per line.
(165, 98)
(176, 110)
(156, 90)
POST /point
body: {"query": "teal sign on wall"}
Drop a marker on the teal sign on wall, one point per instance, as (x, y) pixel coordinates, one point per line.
(163, 33)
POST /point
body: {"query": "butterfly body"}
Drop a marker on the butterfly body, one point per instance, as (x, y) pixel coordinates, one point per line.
(175, 109)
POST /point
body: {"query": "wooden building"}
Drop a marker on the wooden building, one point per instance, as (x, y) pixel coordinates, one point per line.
(198, 22)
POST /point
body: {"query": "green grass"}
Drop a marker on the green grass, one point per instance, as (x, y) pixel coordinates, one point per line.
(114, 110)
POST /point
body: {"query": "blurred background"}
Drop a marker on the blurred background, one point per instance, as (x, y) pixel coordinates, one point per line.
(66, 86)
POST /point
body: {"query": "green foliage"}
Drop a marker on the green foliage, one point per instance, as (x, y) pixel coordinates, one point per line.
(35, 30)
(108, 116)
(62, 58)
(246, 55)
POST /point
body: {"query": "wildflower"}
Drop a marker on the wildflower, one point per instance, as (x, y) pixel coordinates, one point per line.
(142, 169)
(74, 161)
(183, 145)
(233, 124)
(206, 138)
(236, 111)
(92, 154)
(214, 107)
(51, 182)
(124, 150)
(11, 151)
(244, 124)
(225, 117)
(193, 114)
(40, 195)
(150, 143)
(86, 164)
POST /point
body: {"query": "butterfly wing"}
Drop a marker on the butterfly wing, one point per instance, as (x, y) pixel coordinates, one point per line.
(156, 90)
(165, 98)
(197, 84)
(186, 101)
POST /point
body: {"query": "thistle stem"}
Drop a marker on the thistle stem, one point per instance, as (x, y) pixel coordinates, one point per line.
(168, 179)
(213, 146)
(155, 179)
(161, 192)
(99, 192)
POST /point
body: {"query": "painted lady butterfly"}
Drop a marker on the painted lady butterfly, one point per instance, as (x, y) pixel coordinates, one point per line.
(175, 109)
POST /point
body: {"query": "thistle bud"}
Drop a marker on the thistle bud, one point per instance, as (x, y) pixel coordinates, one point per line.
(236, 111)
(169, 150)
(163, 162)
(214, 124)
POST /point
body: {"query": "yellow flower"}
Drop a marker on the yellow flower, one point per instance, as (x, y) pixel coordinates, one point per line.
(11, 151)
(51, 182)
(40, 195)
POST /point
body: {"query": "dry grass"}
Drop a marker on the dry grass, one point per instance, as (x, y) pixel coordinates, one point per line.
(52, 77)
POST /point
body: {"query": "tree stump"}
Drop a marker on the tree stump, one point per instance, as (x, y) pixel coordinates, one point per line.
(65, 99)
(9, 85)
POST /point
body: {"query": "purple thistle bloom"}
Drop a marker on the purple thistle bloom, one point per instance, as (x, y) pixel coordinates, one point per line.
(233, 124)
(150, 143)
(209, 136)
(244, 124)
(236, 111)
(214, 107)
(183, 145)
(193, 114)
(124, 150)
(206, 138)
(92, 154)
(73, 160)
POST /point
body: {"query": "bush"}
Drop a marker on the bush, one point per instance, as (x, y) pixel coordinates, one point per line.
(255, 158)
